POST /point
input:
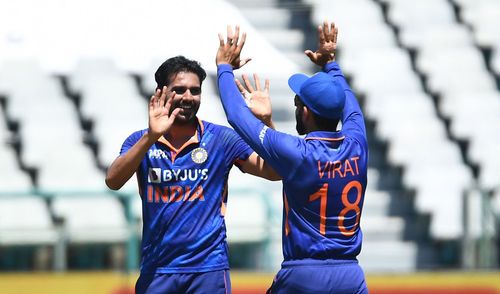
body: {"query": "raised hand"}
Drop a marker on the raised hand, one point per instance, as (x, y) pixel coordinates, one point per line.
(327, 44)
(229, 52)
(160, 116)
(257, 100)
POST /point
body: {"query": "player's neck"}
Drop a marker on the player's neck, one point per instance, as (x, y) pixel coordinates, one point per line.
(181, 133)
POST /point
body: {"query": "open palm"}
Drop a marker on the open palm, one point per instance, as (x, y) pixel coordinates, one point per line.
(257, 99)
(327, 44)
(160, 118)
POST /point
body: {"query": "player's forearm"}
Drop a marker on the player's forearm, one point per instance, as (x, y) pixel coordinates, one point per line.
(352, 110)
(124, 167)
(238, 114)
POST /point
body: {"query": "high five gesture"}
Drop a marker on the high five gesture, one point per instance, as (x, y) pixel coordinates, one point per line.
(229, 52)
(327, 44)
(161, 117)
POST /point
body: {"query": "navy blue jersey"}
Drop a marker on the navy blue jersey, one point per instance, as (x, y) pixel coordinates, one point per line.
(324, 174)
(184, 194)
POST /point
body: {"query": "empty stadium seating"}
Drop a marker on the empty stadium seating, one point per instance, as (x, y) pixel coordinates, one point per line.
(74, 83)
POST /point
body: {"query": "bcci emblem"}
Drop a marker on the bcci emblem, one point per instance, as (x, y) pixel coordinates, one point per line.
(199, 155)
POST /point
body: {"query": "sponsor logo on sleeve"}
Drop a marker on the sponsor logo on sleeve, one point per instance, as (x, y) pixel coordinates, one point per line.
(263, 134)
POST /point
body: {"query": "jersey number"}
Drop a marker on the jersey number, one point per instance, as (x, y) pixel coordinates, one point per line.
(322, 195)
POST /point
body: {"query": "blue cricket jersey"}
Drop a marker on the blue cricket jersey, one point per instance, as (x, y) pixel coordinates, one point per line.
(184, 194)
(324, 175)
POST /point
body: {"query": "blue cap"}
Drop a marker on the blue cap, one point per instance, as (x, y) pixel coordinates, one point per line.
(321, 93)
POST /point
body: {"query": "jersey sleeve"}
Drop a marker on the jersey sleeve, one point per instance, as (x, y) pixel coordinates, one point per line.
(130, 141)
(281, 151)
(236, 150)
(352, 117)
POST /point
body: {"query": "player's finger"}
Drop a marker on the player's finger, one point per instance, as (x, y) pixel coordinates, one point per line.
(248, 84)
(239, 47)
(243, 39)
(157, 96)
(236, 36)
(266, 87)
(321, 36)
(163, 97)
(257, 81)
(244, 61)
(240, 86)
(173, 115)
(229, 35)
(335, 34)
(221, 40)
(326, 31)
(312, 55)
(169, 102)
(152, 102)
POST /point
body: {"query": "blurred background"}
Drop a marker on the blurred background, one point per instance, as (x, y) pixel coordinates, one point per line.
(75, 78)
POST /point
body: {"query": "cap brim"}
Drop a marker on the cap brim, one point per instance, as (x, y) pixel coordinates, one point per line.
(296, 81)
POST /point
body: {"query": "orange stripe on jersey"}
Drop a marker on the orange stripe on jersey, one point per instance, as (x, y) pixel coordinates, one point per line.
(326, 139)
(287, 209)
(202, 127)
(193, 140)
(224, 197)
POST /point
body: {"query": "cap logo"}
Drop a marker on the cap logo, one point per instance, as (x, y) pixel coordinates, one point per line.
(199, 155)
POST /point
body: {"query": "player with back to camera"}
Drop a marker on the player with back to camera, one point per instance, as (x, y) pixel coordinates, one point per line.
(324, 174)
(182, 165)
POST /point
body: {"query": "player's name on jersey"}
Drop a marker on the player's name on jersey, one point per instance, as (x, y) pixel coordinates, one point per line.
(332, 169)
(158, 175)
(169, 194)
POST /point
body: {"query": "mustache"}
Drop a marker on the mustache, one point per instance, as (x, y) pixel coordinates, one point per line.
(191, 107)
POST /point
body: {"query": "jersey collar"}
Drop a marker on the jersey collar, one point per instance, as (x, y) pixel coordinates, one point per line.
(325, 136)
(196, 138)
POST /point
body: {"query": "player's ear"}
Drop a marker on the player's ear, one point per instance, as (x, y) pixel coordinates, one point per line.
(306, 113)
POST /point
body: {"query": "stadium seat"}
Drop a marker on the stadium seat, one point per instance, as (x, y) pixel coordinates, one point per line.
(69, 170)
(91, 218)
(25, 220)
(430, 61)
(483, 151)
(436, 37)
(495, 59)
(439, 191)
(450, 82)
(484, 20)
(398, 75)
(376, 201)
(86, 70)
(247, 218)
(387, 256)
(422, 13)
(13, 179)
(496, 201)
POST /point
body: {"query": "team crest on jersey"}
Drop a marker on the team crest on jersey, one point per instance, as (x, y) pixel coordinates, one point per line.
(199, 155)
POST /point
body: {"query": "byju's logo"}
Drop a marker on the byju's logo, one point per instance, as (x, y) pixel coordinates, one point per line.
(154, 175)
(157, 175)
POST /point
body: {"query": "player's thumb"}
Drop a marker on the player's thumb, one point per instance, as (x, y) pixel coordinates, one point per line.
(312, 56)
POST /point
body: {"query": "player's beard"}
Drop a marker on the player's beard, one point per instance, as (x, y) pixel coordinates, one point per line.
(300, 127)
(186, 116)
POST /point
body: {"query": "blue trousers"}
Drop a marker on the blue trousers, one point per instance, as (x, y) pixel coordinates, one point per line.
(339, 277)
(215, 282)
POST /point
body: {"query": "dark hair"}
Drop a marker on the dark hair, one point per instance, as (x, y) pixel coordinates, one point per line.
(322, 123)
(175, 65)
(325, 124)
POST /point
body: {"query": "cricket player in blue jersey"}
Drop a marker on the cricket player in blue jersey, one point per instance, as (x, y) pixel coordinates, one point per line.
(182, 164)
(324, 174)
